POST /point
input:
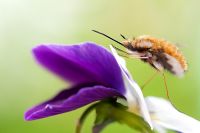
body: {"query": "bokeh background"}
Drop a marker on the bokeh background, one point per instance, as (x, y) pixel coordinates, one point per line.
(26, 23)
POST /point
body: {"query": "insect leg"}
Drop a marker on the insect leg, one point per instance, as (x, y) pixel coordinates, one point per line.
(118, 49)
(133, 55)
(124, 56)
(166, 88)
(167, 91)
(150, 79)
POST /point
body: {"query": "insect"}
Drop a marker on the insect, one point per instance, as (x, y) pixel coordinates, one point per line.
(159, 53)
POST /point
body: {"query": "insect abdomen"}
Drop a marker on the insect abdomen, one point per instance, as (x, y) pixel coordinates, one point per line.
(164, 46)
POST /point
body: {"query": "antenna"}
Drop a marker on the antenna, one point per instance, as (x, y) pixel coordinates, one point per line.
(109, 37)
(123, 36)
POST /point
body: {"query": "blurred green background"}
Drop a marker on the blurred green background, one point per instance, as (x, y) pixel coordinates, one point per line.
(26, 23)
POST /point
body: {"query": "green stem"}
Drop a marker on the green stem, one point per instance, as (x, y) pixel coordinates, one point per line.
(83, 117)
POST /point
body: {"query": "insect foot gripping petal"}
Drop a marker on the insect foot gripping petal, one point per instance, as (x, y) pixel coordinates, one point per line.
(133, 92)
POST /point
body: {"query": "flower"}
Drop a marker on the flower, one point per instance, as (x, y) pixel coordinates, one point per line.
(163, 115)
(89, 68)
(94, 73)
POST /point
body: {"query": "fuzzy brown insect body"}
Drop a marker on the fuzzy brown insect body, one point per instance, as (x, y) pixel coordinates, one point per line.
(159, 53)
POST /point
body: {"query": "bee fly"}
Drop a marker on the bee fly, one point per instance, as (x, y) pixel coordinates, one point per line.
(160, 54)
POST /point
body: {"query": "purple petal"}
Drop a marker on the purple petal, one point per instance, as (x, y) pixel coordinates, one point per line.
(70, 99)
(83, 63)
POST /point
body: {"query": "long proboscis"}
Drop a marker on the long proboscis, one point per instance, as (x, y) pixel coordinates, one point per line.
(109, 38)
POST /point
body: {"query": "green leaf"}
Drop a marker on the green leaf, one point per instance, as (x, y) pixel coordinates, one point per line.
(98, 127)
(110, 111)
(117, 112)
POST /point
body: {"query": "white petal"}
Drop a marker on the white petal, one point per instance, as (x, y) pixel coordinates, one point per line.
(133, 92)
(120, 61)
(165, 115)
(159, 128)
